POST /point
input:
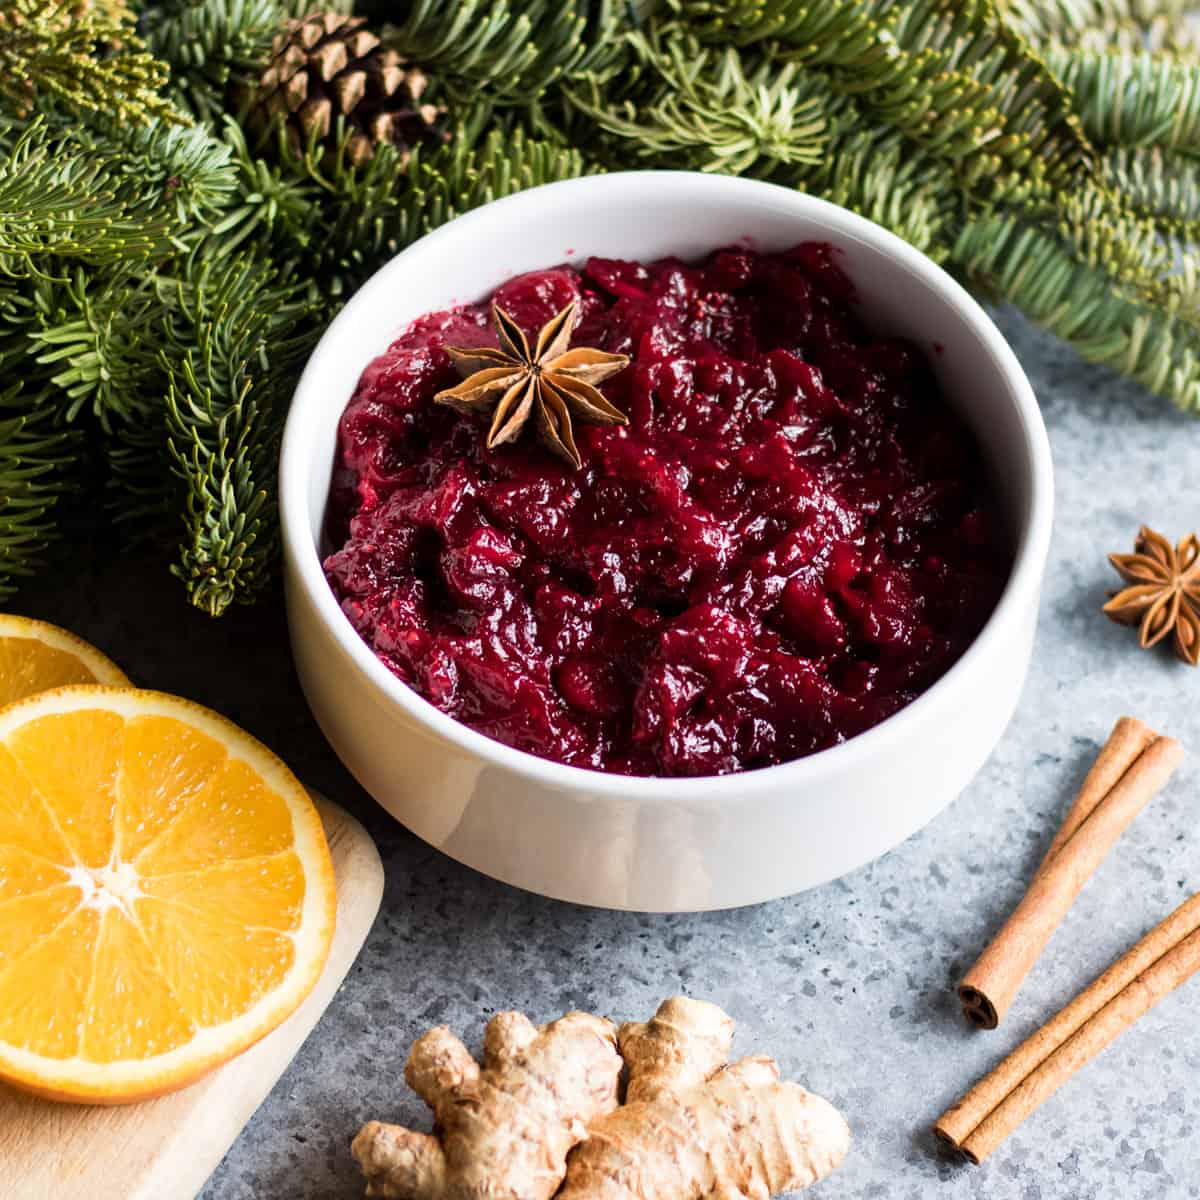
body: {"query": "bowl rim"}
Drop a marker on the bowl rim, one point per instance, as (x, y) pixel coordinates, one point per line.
(304, 561)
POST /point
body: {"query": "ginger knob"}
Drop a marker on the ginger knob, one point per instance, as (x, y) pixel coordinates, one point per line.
(505, 1129)
(696, 1129)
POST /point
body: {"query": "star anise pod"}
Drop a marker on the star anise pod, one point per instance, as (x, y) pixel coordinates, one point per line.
(550, 383)
(1163, 595)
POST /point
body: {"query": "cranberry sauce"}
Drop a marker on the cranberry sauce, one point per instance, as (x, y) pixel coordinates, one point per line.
(788, 542)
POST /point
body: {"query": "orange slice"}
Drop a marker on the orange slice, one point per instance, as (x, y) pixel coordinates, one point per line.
(35, 656)
(166, 893)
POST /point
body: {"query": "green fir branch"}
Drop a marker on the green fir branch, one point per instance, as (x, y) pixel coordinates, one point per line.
(223, 452)
(1160, 185)
(1079, 302)
(949, 74)
(92, 337)
(58, 201)
(273, 213)
(183, 171)
(233, 343)
(826, 33)
(215, 48)
(36, 468)
(711, 110)
(1071, 22)
(85, 58)
(1132, 99)
(997, 109)
(358, 207)
(465, 174)
(514, 51)
(880, 176)
(1161, 38)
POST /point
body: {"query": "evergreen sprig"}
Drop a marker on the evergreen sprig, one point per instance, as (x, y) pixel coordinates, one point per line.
(94, 341)
(471, 171)
(1161, 185)
(1079, 301)
(232, 341)
(1074, 20)
(48, 53)
(37, 457)
(57, 201)
(1132, 99)
(714, 110)
(516, 51)
(882, 176)
(36, 468)
(950, 74)
(213, 50)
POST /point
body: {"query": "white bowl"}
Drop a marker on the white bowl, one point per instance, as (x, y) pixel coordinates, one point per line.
(663, 844)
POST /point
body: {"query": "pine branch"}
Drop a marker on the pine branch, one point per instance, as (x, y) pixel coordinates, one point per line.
(879, 175)
(949, 74)
(215, 48)
(358, 207)
(1136, 255)
(92, 336)
(1071, 21)
(233, 346)
(515, 52)
(182, 170)
(1132, 99)
(841, 33)
(35, 467)
(1161, 38)
(713, 110)
(1037, 132)
(697, 107)
(467, 173)
(57, 201)
(224, 453)
(99, 202)
(1034, 270)
(89, 348)
(1113, 237)
(275, 212)
(1161, 186)
(239, 319)
(49, 52)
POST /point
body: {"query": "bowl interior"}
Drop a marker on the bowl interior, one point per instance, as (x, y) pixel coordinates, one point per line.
(648, 215)
(653, 215)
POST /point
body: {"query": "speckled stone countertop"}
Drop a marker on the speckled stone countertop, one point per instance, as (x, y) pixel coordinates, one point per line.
(850, 986)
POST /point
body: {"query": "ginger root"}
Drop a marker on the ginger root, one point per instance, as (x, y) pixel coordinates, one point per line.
(695, 1129)
(544, 1107)
(503, 1132)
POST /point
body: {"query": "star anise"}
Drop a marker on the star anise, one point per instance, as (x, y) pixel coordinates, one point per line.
(1163, 595)
(550, 383)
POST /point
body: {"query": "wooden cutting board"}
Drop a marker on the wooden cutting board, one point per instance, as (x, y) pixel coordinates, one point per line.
(165, 1149)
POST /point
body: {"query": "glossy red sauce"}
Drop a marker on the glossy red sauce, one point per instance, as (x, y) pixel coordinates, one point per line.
(789, 541)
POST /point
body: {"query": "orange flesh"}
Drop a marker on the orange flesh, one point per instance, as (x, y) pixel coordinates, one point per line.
(149, 886)
(28, 666)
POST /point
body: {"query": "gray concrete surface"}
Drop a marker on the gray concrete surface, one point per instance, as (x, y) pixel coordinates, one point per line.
(849, 986)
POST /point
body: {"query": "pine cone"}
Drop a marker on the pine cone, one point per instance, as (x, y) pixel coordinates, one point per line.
(327, 65)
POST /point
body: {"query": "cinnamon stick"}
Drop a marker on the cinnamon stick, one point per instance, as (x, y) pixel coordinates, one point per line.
(1126, 742)
(1133, 765)
(1166, 957)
